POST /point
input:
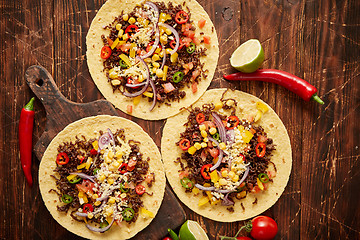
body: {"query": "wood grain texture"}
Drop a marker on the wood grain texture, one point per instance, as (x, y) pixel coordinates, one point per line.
(318, 40)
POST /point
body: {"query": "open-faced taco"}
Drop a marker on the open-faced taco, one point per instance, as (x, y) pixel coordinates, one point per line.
(228, 157)
(102, 177)
(152, 58)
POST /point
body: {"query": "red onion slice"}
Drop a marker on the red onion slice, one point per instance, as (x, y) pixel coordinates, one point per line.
(245, 175)
(135, 85)
(81, 214)
(176, 34)
(104, 140)
(154, 46)
(95, 229)
(84, 176)
(112, 139)
(164, 57)
(220, 157)
(201, 187)
(221, 128)
(152, 84)
(135, 94)
(227, 201)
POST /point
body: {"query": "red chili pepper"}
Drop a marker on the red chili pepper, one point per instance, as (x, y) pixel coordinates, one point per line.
(149, 46)
(260, 149)
(88, 208)
(232, 122)
(184, 144)
(200, 118)
(123, 168)
(105, 52)
(205, 171)
(291, 82)
(181, 17)
(131, 29)
(26, 125)
(93, 152)
(173, 44)
(62, 158)
(140, 189)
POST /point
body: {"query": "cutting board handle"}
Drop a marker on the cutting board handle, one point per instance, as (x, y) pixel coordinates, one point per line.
(43, 85)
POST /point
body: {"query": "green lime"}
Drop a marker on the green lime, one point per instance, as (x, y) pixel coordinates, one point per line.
(248, 57)
(192, 230)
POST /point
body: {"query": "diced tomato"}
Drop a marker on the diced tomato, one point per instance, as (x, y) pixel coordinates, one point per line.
(261, 138)
(195, 74)
(187, 67)
(86, 186)
(183, 174)
(149, 178)
(110, 42)
(186, 27)
(256, 189)
(196, 40)
(125, 47)
(190, 34)
(129, 108)
(194, 87)
(209, 124)
(271, 174)
(201, 23)
(168, 87)
(186, 41)
(131, 165)
(206, 39)
(214, 152)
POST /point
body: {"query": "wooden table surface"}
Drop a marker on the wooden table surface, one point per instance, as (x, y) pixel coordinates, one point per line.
(318, 40)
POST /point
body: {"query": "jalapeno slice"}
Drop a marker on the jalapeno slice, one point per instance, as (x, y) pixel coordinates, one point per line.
(122, 64)
(191, 48)
(178, 76)
(216, 136)
(104, 224)
(263, 177)
(128, 214)
(96, 171)
(66, 198)
(75, 179)
(123, 189)
(186, 183)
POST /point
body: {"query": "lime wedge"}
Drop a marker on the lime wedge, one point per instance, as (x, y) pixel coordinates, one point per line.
(248, 57)
(191, 230)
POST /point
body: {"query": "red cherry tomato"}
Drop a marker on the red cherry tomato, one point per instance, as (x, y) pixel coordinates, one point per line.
(140, 189)
(263, 228)
(243, 238)
(167, 238)
(62, 158)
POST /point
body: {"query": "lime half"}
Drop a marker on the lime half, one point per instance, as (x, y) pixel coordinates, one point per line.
(248, 57)
(191, 230)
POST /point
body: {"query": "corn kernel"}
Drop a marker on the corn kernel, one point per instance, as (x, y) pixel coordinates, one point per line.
(120, 33)
(125, 17)
(154, 70)
(230, 102)
(155, 57)
(141, 78)
(168, 31)
(132, 20)
(159, 73)
(123, 195)
(205, 139)
(203, 144)
(195, 191)
(203, 133)
(224, 173)
(192, 150)
(262, 107)
(158, 50)
(125, 36)
(90, 215)
(217, 185)
(197, 146)
(174, 57)
(147, 60)
(118, 26)
(116, 164)
(110, 181)
(222, 146)
(97, 203)
(110, 154)
(218, 105)
(235, 178)
(94, 196)
(222, 182)
(113, 75)
(231, 174)
(241, 195)
(156, 64)
(212, 131)
(258, 116)
(119, 154)
(109, 211)
(102, 178)
(115, 82)
(202, 127)
(111, 200)
(107, 159)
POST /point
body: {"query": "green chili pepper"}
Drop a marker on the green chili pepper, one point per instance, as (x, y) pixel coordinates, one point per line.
(190, 49)
(96, 171)
(66, 198)
(178, 76)
(123, 189)
(186, 183)
(128, 214)
(104, 224)
(172, 234)
(263, 177)
(123, 64)
(216, 136)
(75, 180)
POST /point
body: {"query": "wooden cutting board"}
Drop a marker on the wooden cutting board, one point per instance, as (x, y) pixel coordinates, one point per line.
(60, 112)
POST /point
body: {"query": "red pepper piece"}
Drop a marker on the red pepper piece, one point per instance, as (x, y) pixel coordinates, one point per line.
(200, 118)
(184, 144)
(93, 152)
(205, 171)
(260, 149)
(123, 168)
(88, 208)
(131, 29)
(105, 52)
(62, 158)
(26, 125)
(140, 189)
(291, 82)
(181, 17)
(231, 122)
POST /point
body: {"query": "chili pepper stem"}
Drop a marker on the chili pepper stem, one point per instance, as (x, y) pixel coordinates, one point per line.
(317, 99)
(30, 105)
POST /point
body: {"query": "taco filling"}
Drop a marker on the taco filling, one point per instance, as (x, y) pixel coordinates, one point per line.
(102, 181)
(152, 52)
(223, 156)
